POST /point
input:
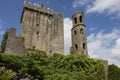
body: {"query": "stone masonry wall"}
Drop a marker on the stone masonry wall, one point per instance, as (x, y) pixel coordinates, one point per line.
(78, 34)
(42, 29)
(15, 44)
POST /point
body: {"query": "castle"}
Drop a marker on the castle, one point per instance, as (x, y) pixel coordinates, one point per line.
(43, 30)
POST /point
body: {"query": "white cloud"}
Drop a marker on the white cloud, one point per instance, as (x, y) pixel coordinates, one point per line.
(67, 34)
(100, 45)
(78, 3)
(105, 46)
(1, 31)
(111, 7)
(92, 29)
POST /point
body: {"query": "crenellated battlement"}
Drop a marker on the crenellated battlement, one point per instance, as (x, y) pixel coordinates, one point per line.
(39, 8)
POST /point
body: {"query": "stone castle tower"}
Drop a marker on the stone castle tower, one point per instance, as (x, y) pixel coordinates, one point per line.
(41, 28)
(79, 43)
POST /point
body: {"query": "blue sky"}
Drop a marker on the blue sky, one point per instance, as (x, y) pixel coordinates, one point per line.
(102, 20)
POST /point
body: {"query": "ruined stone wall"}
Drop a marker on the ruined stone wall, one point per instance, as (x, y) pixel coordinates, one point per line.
(106, 69)
(15, 44)
(42, 29)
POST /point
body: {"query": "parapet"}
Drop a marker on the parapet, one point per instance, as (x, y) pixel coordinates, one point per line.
(82, 13)
(12, 29)
(39, 8)
(60, 14)
(12, 32)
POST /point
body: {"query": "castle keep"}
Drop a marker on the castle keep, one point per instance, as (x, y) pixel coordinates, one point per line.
(41, 29)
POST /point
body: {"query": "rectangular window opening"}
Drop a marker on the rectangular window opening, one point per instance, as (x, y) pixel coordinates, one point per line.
(75, 32)
(33, 47)
(84, 45)
(37, 32)
(76, 46)
(81, 31)
(37, 25)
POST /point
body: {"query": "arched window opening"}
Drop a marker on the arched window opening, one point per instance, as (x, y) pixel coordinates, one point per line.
(81, 31)
(84, 45)
(76, 46)
(80, 18)
(75, 20)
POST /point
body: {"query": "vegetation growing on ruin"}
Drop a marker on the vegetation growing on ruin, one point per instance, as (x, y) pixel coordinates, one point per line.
(36, 65)
(3, 45)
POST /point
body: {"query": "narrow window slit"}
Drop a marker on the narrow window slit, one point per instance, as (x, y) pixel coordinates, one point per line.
(76, 46)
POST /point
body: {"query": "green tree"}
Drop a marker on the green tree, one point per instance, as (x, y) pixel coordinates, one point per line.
(113, 72)
(36, 65)
(4, 41)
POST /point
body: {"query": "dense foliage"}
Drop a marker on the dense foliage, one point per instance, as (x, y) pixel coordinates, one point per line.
(37, 66)
(5, 36)
(6, 74)
(113, 72)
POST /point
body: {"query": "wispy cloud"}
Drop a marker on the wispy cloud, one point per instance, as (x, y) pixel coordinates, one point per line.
(1, 31)
(100, 45)
(111, 7)
(78, 3)
(105, 46)
(0, 24)
(47, 2)
(92, 29)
